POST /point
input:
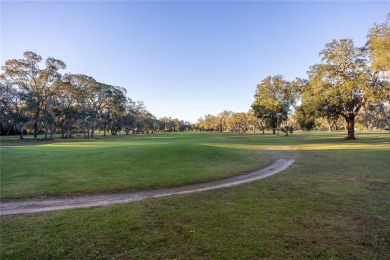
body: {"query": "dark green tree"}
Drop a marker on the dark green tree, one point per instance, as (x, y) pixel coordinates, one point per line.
(274, 99)
(36, 83)
(342, 84)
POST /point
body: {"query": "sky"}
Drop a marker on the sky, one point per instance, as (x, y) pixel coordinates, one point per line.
(185, 59)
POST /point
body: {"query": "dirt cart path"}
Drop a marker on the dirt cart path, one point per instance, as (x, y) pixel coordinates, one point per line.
(31, 206)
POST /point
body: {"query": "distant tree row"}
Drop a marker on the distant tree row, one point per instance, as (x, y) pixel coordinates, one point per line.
(228, 121)
(44, 101)
(351, 83)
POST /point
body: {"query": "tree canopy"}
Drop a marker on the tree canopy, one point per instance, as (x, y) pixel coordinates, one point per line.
(274, 99)
(349, 79)
(341, 84)
(379, 46)
(350, 83)
(48, 102)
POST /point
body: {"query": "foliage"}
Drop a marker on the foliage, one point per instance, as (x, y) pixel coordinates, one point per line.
(223, 120)
(238, 122)
(13, 108)
(342, 84)
(230, 121)
(351, 83)
(305, 117)
(37, 85)
(274, 99)
(374, 116)
(379, 47)
(69, 104)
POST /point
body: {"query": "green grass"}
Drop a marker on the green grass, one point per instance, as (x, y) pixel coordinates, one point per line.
(334, 202)
(121, 163)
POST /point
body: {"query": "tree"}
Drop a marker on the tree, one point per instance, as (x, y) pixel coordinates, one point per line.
(65, 106)
(379, 47)
(274, 99)
(305, 118)
(253, 121)
(342, 84)
(209, 123)
(82, 86)
(384, 109)
(132, 115)
(222, 120)
(37, 83)
(375, 115)
(114, 108)
(13, 108)
(238, 122)
(97, 95)
(42, 97)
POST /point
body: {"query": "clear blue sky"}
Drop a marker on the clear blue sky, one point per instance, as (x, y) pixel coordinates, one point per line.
(185, 59)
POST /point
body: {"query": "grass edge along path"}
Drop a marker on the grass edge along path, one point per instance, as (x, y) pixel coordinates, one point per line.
(123, 164)
(32, 206)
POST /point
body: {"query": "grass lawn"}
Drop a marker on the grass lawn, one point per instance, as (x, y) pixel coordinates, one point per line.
(121, 163)
(334, 202)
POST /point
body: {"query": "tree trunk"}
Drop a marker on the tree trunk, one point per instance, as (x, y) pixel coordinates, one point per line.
(351, 126)
(36, 129)
(68, 131)
(105, 128)
(92, 129)
(84, 131)
(62, 131)
(20, 128)
(387, 120)
(88, 131)
(52, 128)
(9, 129)
(46, 129)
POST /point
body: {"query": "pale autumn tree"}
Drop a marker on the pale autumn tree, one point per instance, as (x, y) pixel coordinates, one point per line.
(238, 122)
(222, 120)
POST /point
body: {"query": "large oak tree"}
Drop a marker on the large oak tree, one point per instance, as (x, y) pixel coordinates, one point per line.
(343, 83)
(379, 51)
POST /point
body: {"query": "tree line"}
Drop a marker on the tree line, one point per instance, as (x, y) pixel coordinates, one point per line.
(350, 87)
(228, 121)
(351, 83)
(41, 100)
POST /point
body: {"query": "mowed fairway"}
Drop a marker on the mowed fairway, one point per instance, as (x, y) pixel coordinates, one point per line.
(334, 202)
(121, 163)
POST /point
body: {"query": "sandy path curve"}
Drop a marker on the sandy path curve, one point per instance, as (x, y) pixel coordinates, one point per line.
(31, 206)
